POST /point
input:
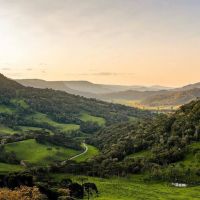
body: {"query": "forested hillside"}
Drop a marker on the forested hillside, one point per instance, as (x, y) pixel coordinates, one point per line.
(61, 106)
(43, 116)
(167, 147)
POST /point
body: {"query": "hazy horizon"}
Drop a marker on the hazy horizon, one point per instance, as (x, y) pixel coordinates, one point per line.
(131, 42)
(150, 85)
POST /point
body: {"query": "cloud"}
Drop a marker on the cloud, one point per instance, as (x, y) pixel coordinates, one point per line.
(6, 69)
(110, 74)
(103, 74)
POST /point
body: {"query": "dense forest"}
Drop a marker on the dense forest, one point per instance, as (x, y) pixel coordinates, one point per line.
(159, 143)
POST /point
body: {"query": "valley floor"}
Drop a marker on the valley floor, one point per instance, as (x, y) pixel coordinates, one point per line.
(134, 188)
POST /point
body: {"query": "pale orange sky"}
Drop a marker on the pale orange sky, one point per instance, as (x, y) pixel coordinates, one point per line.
(128, 42)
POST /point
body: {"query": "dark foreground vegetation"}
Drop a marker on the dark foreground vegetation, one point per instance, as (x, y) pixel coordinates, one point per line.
(40, 186)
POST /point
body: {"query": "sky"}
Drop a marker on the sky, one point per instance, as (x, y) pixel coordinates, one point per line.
(129, 42)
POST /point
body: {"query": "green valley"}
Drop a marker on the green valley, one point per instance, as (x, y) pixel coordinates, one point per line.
(58, 141)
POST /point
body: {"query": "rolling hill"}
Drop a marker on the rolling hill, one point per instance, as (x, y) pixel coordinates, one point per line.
(172, 98)
(59, 106)
(189, 87)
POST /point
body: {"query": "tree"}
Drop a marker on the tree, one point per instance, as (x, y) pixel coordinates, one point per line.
(24, 192)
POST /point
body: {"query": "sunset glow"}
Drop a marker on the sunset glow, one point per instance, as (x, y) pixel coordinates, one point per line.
(117, 42)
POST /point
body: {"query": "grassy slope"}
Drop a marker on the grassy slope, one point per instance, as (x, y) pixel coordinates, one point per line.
(39, 117)
(86, 117)
(134, 188)
(21, 129)
(30, 128)
(35, 153)
(20, 103)
(92, 151)
(191, 160)
(5, 168)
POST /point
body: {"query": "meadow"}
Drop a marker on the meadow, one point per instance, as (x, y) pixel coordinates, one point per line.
(7, 168)
(134, 188)
(89, 118)
(39, 154)
(42, 118)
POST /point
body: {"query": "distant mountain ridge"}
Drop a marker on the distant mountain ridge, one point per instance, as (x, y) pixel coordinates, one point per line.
(88, 87)
(55, 85)
(152, 96)
(173, 98)
(190, 86)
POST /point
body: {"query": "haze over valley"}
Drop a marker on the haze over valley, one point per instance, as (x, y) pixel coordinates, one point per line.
(138, 96)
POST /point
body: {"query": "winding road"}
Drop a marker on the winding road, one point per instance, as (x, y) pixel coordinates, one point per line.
(86, 149)
(78, 155)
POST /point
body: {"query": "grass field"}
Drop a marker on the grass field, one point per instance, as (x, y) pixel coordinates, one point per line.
(32, 152)
(138, 104)
(89, 118)
(92, 151)
(39, 117)
(5, 168)
(134, 188)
